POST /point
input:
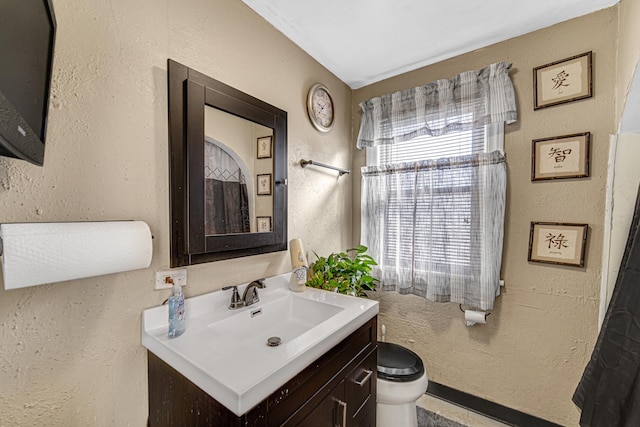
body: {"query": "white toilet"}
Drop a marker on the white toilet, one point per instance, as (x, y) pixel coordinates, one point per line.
(402, 380)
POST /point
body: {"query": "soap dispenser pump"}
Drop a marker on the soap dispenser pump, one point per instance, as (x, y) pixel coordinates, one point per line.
(176, 310)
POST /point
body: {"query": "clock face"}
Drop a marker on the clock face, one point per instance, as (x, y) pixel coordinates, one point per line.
(320, 108)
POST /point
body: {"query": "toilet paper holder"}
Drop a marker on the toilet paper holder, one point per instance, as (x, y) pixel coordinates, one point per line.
(473, 317)
(462, 310)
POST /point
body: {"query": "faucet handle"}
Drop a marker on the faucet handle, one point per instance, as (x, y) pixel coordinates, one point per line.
(236, 302)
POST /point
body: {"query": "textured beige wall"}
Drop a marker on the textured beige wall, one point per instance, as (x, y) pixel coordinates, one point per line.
(626, 174)
(70, 353)
(540, 335)
(625, 191)
(628, 51)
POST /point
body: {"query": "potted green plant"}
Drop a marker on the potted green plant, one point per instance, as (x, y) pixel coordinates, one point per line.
(345, 272)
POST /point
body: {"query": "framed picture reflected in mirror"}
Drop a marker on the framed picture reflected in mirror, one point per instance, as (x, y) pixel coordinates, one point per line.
(264, 147)
(264, 184)
(263, 224)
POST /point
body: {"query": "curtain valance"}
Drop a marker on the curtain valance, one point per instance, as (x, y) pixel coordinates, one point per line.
(469, 100)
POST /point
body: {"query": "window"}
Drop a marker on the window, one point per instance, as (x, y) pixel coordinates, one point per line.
(428, 212)
(429, 148)
(430, 233)
(433, 206)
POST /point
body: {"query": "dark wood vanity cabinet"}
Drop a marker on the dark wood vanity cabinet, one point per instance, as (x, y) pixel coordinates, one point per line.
(349, 403)
(338, 389)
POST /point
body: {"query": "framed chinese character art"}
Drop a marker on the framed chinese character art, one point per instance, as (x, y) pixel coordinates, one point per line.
(558, 243)
(562, 81)
(560, 157)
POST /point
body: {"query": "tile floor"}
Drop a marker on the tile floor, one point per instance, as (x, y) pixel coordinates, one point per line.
(429, 419)
(450, 415)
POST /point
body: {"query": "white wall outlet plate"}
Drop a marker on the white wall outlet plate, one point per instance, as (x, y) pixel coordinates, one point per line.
(178, 275)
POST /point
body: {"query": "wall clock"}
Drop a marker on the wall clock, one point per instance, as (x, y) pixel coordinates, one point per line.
(320, 107)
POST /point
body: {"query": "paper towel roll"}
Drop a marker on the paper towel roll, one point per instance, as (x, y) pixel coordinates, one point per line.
(37, 253)
(298, 257)
(472, 317)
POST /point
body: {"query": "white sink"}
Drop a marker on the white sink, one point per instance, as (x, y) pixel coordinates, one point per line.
(285, 318)
(225, 352)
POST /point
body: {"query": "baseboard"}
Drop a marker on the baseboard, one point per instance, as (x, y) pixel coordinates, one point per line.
(486, 408)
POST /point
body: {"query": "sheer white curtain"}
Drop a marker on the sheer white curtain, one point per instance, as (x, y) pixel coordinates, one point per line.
(436, 226)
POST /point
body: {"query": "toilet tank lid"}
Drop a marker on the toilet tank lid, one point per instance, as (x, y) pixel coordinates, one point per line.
(397, 363)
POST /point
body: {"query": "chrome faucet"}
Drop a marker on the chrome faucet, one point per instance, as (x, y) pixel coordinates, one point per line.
(250, 295)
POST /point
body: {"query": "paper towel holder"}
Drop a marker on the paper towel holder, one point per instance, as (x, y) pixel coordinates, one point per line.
(81, 249)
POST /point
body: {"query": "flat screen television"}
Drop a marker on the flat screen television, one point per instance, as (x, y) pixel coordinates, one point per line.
(27, 34)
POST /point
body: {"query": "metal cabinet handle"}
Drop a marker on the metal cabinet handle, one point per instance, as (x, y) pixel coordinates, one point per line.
(366, 378)
(343, 406)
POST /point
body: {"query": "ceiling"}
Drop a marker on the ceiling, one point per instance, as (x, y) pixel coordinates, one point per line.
(365, 41)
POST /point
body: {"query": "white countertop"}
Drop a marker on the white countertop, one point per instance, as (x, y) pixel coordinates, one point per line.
(241, 371)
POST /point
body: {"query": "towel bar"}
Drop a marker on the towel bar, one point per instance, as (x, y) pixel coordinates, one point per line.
(341, 171)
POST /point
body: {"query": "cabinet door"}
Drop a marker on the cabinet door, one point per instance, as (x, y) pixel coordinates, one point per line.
(360, 392)
(366, 415)
(330, 412)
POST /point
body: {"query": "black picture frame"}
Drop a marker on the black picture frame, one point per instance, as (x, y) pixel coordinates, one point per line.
(561, 157)
(263, 147)
(263, 224)
(563, 81)
(263, 184)
(563, 243)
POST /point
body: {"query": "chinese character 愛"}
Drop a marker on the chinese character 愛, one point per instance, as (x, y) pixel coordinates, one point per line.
(560, 80)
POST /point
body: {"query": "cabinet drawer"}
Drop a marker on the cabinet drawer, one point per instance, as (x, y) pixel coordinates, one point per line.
(292, 401)
(360, 386)
(329, 412)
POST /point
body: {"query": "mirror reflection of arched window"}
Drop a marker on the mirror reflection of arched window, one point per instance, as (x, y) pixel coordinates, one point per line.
(227, 203)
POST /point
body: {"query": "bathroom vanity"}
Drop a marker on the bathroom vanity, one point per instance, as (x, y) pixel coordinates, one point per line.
(222, 372)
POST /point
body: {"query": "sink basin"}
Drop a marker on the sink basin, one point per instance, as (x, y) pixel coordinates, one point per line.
(286, 318)
(225, 352)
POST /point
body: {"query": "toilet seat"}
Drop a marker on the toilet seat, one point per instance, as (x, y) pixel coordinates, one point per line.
(398, 364)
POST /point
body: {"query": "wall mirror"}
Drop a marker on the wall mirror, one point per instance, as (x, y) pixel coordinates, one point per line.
(228, 175)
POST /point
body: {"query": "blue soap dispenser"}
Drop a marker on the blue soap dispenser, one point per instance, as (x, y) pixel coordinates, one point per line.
(176, 310)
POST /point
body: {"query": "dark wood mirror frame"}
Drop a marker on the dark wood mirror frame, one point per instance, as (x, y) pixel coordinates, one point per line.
(189, 93)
